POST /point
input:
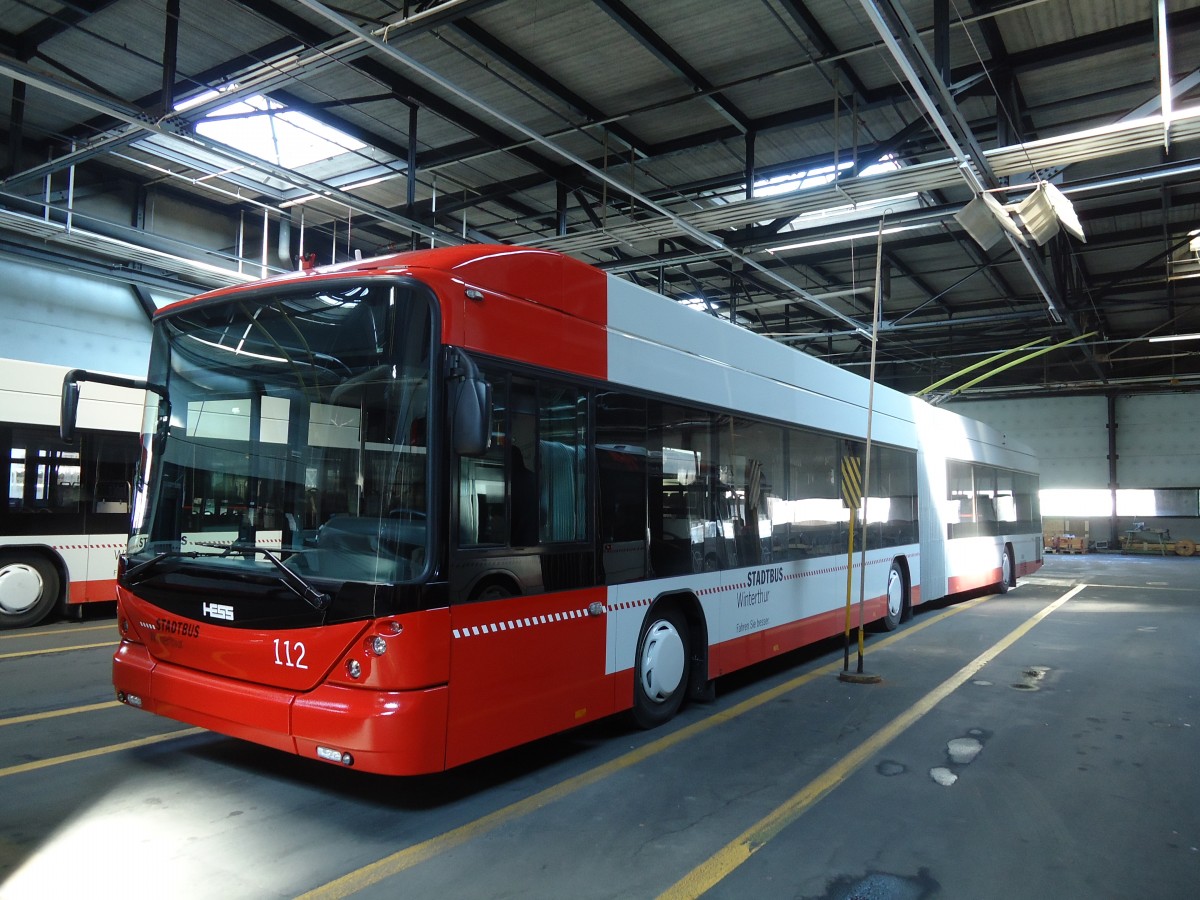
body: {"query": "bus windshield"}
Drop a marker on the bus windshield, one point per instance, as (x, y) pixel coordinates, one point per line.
(292, 429)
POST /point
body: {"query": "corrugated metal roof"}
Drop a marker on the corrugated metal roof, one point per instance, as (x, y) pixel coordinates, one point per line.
(643, 117)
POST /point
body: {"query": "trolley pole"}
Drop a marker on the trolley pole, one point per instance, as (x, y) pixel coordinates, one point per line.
(861, 677)
(851, 495)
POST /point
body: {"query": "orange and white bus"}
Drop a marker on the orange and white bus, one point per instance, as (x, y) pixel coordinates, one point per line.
(402, 513)
(65, 517)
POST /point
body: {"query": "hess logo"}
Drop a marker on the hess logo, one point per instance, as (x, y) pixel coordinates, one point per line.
(217, 611)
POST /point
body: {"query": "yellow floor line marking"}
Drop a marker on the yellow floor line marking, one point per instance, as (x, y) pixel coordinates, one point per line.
(99, 751)
(55, 713)
(37, 634)
(732, 855)
(409, 857)
(45, 650)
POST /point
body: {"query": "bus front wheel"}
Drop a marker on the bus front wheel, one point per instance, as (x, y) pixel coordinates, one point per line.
(28, 589)
(661, 670)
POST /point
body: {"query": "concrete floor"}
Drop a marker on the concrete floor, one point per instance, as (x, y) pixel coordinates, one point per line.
(1002, 755)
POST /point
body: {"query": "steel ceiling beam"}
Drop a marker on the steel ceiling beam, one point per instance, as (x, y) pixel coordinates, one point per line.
(824, 45)
(901, 39)
(67, 16)
(547, 83)
(135, 118)
(666, 54)
(703, 237)
(468, 150)
(260, 71)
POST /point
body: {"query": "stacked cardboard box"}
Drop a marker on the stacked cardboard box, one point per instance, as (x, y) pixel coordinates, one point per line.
(1065, 535)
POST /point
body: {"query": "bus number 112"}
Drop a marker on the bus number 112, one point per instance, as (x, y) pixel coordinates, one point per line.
(286, 659)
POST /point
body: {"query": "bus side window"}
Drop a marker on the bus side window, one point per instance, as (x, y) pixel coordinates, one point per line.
(530, 488)
(621, 470)
(524, 496)
(524, 509)
(562, 464)
(44, 475)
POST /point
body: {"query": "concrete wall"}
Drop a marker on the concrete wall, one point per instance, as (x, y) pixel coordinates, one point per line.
(68, 319)
(1158, 446)
(1067, 433)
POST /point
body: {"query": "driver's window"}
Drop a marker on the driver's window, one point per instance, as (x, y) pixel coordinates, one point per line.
(530, 488)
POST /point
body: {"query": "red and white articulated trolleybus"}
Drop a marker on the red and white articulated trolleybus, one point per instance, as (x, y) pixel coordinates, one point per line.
(401, 513)
(65, 516)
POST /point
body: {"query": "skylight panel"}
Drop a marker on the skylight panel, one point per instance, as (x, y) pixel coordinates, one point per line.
(267, 129)
(794, 181)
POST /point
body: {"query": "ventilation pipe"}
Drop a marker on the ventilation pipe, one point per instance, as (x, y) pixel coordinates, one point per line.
(284, 250)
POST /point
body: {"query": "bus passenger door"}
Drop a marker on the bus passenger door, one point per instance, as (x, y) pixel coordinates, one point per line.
(528, 638)
(107, 479)
(621, 471)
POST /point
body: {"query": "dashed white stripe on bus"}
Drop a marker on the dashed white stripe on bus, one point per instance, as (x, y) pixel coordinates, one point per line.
(514, 624)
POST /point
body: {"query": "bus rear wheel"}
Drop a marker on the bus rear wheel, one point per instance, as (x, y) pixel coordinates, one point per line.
(29, 587)
(1006, 571)
(660, 675)
(897, 599)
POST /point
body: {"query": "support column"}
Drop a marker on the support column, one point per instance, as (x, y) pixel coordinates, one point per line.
(16, 128)
(941, 39)
(1114, 524)
(560, 226)
(170, 57)
(750, 176)
(410, 209)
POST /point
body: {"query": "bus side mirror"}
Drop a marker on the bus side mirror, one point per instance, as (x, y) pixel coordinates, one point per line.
(162, 426)
(471, 405)
(69, 411)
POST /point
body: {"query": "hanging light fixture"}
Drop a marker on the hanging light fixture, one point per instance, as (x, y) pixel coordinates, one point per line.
(1037, 217)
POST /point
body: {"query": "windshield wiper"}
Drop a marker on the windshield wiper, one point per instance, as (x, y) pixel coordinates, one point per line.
(132, 573)
(292, 581)
(318, 600)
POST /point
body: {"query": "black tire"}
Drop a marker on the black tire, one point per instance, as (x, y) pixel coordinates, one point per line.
(29, 589)
(1006, 571)
(897, 599)
(493, 590)
(660, 672)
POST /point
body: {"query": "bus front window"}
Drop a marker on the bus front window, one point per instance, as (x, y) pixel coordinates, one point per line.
(297, 426)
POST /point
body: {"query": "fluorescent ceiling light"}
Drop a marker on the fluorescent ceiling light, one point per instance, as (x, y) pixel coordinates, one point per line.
(204, 97)
(1161, 338)
(861, 235)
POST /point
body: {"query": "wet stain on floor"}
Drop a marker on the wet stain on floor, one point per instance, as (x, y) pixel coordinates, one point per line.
(881, 886)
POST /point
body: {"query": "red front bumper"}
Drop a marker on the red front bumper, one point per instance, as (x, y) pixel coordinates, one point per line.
(387, 732)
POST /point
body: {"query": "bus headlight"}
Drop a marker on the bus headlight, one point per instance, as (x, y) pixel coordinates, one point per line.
(378, 645)
(333, 755)
(353, 668)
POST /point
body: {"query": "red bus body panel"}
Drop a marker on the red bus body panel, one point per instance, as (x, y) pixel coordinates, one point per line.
(751, 648)
(525, 667)
(388, 732)
(236, 681)
(957, 584)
